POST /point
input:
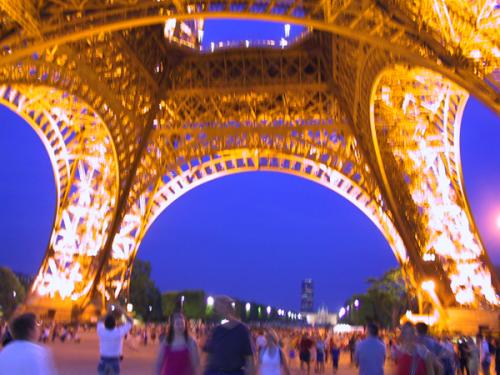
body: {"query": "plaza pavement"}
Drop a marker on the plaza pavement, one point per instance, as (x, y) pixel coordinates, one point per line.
(81, 359)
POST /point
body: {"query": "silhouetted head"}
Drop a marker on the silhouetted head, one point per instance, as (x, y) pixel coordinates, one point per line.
(408, 334)
(25, 327)
(224, 306)
(372, 329)
(422, 328)
(110, 322)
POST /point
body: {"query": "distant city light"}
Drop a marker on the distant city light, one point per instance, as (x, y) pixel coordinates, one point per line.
(248, 307)
(210, 301)
(356, 303)
(268, 310)
(287, 30)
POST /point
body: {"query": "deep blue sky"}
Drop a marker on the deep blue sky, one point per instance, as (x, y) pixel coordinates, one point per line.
(253, 235)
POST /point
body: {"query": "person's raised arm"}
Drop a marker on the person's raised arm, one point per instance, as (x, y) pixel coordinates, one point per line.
(129, 322)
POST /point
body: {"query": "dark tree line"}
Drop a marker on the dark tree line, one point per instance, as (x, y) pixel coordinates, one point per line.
(387, 298)
(12, 292)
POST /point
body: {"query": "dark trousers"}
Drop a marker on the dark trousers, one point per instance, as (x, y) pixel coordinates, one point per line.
(109, 366)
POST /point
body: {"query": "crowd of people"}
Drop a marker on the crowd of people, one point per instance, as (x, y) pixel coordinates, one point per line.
(233, 348)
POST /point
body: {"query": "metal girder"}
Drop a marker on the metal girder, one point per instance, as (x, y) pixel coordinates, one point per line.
(359, 105)
(86, 176)
(466, 57)
(415, 128)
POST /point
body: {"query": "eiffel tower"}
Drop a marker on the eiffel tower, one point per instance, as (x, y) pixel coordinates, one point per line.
(368, 103)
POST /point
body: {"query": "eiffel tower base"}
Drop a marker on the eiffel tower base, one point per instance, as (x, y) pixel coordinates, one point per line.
(470, 322)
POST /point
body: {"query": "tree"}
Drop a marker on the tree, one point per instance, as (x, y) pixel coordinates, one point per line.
(386, 299)
(12, 292)
(169, 303)
(191, 302)
(194, 305)
(144, 294)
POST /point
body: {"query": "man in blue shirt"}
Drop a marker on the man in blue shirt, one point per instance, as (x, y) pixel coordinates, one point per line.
(370, 353)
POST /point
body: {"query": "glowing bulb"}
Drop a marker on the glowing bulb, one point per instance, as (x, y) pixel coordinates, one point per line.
(342, 312)
(498, 221)
(210, 301)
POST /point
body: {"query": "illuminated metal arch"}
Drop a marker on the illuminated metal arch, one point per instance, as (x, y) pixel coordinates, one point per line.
(248, 160)
(228, 162)
(47, 130)
(78, 144)
(418, 105)
(36, 72)
(427, 53)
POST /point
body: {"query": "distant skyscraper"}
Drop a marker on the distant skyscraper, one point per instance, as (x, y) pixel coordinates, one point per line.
(307, 296)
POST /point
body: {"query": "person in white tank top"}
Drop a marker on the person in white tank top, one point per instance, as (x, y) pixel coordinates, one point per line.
(272, 360)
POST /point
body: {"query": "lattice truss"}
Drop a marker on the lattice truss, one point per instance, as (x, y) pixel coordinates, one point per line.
(438, 34)
(211, 125)
(417, 117)
(80, 150)
(131, 122)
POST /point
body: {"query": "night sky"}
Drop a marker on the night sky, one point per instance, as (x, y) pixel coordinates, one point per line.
(254, 235)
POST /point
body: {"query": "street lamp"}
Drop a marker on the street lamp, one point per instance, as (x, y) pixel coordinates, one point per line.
(268, 310)
(247, 307)
(342, 312)
(210, 301)
(356, 303)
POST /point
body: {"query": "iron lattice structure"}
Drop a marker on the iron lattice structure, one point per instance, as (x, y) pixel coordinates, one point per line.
(368, 104)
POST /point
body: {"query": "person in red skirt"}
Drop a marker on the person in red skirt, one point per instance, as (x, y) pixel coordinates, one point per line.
(178, 354)
(411, 357)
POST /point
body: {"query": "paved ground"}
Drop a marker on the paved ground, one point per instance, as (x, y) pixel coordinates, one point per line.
(81, 359)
